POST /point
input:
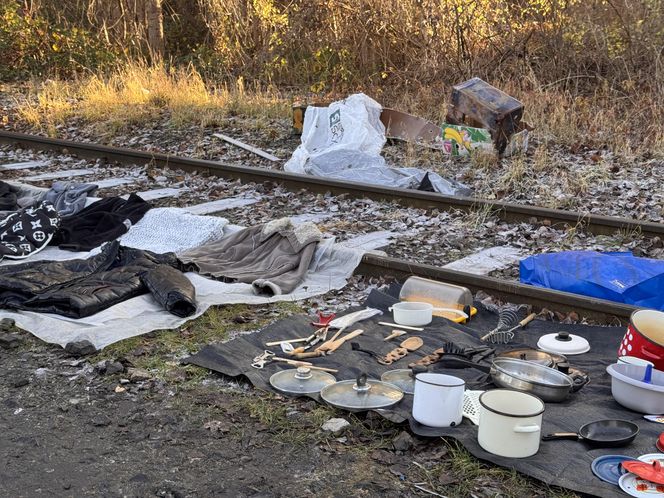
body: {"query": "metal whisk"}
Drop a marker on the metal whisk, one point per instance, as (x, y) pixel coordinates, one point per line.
(508, 322)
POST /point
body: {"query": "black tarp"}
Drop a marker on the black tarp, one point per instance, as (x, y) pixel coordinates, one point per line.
(560, 463)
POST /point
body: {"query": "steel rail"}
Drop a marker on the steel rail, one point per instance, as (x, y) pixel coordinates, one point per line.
(512, 212)
(538, 297)
(372, 264)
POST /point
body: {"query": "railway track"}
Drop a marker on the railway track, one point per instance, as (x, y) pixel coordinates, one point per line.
(374, 265)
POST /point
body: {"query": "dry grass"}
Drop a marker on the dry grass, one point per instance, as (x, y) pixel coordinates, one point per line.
(138, 94)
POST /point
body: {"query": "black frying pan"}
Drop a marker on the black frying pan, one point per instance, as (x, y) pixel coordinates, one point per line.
(603, 433)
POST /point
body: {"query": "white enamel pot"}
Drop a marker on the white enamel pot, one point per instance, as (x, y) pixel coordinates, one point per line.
(438, 400)
(510, 423)
(418, 314)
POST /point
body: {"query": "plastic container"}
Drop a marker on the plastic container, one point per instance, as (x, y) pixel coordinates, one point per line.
(438, 294)
(628, 388)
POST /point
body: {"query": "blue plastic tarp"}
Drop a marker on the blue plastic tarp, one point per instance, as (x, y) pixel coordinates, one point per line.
(616, 276)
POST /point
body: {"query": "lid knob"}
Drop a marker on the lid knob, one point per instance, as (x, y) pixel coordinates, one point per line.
(563, 366)
(563, 336)
(361, 385)
(303, 373)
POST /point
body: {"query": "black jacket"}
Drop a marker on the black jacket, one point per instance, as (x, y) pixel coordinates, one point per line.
(100, 222)
(82, 287)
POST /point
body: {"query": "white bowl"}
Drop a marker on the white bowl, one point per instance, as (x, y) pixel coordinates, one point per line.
(628, 388)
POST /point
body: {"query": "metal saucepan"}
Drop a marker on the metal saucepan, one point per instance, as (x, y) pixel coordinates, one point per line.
(603, 433)
(546, 383)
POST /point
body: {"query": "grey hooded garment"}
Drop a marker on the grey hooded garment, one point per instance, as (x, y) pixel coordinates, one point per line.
(273, 257)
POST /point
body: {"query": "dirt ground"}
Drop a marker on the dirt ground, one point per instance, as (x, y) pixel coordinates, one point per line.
(91, 426)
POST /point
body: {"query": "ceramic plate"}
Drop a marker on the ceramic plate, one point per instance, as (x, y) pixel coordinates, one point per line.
(640, 488)
(608, 469)
(651, 457)
(655, 418)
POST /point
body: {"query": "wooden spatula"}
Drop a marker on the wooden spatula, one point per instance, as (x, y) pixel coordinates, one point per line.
(334, 344)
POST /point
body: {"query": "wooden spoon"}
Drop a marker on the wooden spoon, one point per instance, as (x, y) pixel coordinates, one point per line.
(412, 343)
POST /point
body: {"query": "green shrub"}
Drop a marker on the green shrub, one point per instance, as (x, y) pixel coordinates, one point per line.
(30, 45)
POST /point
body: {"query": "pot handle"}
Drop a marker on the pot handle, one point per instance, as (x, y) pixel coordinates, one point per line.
(527, 428)
(560, 435)
(389, 309)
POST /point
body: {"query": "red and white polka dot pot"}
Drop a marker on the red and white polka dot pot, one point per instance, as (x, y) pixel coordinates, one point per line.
(645, 337)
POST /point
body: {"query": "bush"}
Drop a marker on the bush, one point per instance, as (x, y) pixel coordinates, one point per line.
(30, 45)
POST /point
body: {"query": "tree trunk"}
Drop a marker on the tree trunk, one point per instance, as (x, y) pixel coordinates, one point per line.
(155, 28)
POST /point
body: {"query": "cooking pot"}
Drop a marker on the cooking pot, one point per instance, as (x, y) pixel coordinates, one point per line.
(510, 423)
(645, 337)
(547, 383)
(438, 400)
(418, 314)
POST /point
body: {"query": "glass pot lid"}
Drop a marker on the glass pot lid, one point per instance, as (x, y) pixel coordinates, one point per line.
(301, 380)
(563, 343)
(534, 355)
(361, 394)
(403, 378)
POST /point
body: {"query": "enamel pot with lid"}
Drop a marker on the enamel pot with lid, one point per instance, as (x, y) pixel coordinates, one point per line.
(510, 423)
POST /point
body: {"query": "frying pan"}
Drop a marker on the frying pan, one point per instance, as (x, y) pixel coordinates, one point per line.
(603, 433)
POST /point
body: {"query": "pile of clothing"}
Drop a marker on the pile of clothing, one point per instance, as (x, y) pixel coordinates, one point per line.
(134, 249)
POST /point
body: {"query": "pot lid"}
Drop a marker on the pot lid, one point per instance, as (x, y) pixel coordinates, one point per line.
(563, 343)
(361, 394)
(652, 472)
(534, 355)
(607, 467)
(403, 378)
(301, 380)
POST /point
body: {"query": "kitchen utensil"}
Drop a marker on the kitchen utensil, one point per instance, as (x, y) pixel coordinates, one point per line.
(428, 359)
(416, 314)
(471, 406)
(563, 343)
(286, 341)
(361, 394)
(333, 344)
(639, 488)
(547, 383)
(603, 433)
(403, 378)
(301, 380)
(510, 423)
(645, 337)
(533, 355)
(414, 329)
(509, 316)
(658, 419)
(266, 357)
(355, 346)
(409, 345)
(498, 336)
(608, 467)
(438, 400)
(633, 360)
(395, 333)
(651, 457)
(628, 388)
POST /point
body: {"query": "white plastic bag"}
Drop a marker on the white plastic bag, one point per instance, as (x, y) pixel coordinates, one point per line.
(344, 142)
